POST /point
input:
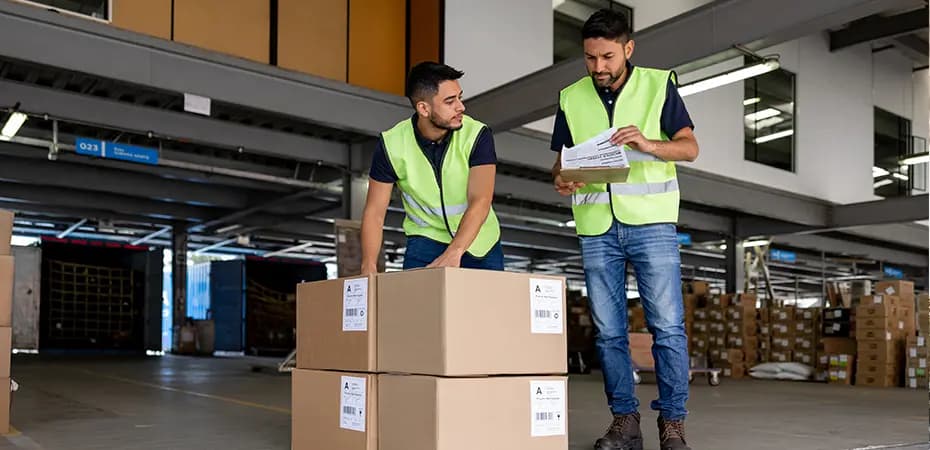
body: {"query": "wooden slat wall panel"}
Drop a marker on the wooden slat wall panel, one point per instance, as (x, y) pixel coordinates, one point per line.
(377, 44)
(312, 37)
(152, 17)
(236, 27)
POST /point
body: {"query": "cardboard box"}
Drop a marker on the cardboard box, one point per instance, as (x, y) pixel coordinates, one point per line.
(765, 329)
(6, 232)
(782, 343)
(877, 323)
(735, 356)
(917, 368)
(460, 322)
(764, 315)
(334, 410)
(837, 329)
(841, 361)
(719, 301)
(6, 398)
(700, 326)
(700, 343)
(890, 347)
(840, 375)
(876, 375)
(899, 288)
(864, 334)
(805, 343)
(743, 329)
(781, 356)
(923, 302)
(431, 413)
(6, 349)
(716, 314)
(783, 314)
(837, 314)
(700, 314)
(876, 306)
(738, 314)
(823, 360)
(916, 346)
(810, 314)
(718, 327)
(880, 358)
(833, 345)
(917, 383)
(738, 371)
(746, 302)
(808, 357)
(6, 291)
(698, 288)
(785, 330)
(337, 324)
(805, 328)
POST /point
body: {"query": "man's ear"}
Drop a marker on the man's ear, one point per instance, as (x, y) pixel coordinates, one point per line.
(628, 48)
(423, 108)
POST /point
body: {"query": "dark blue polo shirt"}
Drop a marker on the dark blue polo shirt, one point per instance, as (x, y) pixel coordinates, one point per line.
(674, 114)
(482, 154)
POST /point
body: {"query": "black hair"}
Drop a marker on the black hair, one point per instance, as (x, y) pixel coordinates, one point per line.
(607, 24)
(424, 78)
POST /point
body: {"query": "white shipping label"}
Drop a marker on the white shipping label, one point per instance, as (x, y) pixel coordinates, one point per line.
(836, 327)
(547, 408)
(782, 315)
(913, 352)
(355, 305)
(352, 404)
(806, 344)
(877, 299)
(900, 324)
(921, 342)
(800, 327)
(197, 104)
(844, 358)
(913, 383)
(911, 372)
(841, 374)
(889, 290)
(922, 363)
(739, 342)
(546, 306)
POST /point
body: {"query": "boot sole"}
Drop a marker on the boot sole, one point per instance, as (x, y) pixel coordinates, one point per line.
(634, 444)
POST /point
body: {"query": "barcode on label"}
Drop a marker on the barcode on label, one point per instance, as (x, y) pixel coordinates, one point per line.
(545, 416)
(352, 312)
(349, 410)
(542, 314)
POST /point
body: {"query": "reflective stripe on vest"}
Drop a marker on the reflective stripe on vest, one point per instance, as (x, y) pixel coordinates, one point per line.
(650, 194)
(435, 211)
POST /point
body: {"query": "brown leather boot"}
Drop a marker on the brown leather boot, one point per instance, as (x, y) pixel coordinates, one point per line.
(623, 434)
(672, 435)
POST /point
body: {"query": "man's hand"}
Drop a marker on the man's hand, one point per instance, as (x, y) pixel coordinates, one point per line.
(632, 137)
(369, 270)
(566, 187)
(449, 258)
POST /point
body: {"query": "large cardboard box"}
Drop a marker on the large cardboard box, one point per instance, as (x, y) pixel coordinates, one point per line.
(876, 306)
(6, 349)
(6, 398)
(876, 375)
(697, 288)
(837, 329)
(838, 346)
(841, 375)
(6, 232)
(743, 329)
(880, 358)
(719, 301)
(916, 347)
(864, 334)
(6, 291)
(917, 367)
(337, 324)
(431, 413)
(810, 314)
(898, 288)
(782, 343)
(877, 323)
(805, 343)
(808, 357)
(333, 410)
(460, 322)
(701, 326)
(781, 356)
(783, 314)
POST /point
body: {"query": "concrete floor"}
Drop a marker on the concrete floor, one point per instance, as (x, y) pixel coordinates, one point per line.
(78, 403)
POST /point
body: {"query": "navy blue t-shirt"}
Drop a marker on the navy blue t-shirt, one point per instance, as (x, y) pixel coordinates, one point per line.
(482, 154)
(674, 114)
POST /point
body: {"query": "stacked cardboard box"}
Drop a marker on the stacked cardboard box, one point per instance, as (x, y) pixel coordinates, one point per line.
(717, 330)
(636, 316)
(836, 357)
(917, 362)
(839, 322)
(6, 317)
(783, 333)
(807, 331)
(743, 329)
(581, 332)
(880, 346)
(764, 323)
(735, 365)
(923, 315)
(403, 360)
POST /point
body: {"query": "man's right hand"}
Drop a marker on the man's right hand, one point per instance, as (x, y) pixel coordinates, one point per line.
(566, 188)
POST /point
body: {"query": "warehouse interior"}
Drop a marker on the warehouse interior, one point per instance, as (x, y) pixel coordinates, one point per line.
(250, 127)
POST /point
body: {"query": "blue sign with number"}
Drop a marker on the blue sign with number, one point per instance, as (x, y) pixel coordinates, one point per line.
(114, 150)
(783, 256)
(684, 239)
(893, 272)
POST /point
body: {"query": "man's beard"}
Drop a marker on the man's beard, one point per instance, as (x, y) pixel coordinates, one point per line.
(443, 125)
(607, 83)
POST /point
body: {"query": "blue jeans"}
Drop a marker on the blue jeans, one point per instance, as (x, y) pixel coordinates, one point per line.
(422, 251)
(653, 252)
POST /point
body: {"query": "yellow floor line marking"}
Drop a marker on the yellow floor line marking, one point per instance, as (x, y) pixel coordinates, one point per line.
(184, 391)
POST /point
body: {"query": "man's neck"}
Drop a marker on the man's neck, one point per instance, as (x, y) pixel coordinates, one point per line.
(430, 131)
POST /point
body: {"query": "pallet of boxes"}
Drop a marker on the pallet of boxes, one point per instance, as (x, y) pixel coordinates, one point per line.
(6, 317)
(431, 359)
(742, 339)
(837, 350)
(917, 354)
(884, 322)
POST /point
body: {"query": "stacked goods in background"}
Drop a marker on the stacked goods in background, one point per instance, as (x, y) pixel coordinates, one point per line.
(880, 338)
(807, 331)
(837, 356)
(742, 330)
(923, 315)
(764, 324)
(783, 331)
(916, 377)
(6, 317)
(636, 316)
(582, 352)
(716, 321)
(394, 362)
(694, 295)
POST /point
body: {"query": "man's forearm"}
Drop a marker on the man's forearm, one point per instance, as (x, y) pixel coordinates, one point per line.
(372, 235)
(682, 149)
(474, 218)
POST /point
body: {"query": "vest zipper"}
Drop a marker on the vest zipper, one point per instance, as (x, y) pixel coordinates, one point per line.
(437, 173)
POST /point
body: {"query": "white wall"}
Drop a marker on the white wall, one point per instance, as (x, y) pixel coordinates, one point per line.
(496, 41)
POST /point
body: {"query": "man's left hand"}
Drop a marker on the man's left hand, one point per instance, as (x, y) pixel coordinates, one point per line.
(632, 137)
(449, 258)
